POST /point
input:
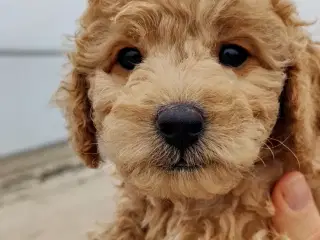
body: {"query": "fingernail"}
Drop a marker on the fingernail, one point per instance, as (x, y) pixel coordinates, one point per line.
(296, 193)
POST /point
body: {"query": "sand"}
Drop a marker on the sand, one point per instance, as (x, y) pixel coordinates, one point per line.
(53, 204)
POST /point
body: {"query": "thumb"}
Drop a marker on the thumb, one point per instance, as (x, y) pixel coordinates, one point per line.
(296, 213)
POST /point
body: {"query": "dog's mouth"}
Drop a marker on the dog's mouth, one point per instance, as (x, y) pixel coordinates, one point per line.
(183, 165)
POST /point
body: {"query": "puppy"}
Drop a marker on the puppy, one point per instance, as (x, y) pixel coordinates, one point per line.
(201, 105)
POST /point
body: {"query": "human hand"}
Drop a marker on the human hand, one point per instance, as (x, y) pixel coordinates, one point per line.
(296, 213)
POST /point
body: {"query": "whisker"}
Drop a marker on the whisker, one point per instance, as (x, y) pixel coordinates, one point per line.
(261, 160)
(290, 150)
(269, 148)
(286, 139)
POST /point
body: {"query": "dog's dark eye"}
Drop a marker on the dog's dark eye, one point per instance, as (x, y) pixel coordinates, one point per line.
(128, 58)
(233, 55)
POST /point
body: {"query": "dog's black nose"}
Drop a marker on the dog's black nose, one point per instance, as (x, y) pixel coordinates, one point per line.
(180, 125)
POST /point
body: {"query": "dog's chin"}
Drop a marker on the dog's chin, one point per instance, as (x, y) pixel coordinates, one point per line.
(191, 178)
(183, 180)
(165, 173)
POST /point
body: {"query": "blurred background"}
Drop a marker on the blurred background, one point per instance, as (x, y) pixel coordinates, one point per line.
(45, 193)
(31, 56)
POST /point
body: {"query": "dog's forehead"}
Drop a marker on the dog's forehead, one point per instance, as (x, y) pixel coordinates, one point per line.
(175, 20)
(196, 9)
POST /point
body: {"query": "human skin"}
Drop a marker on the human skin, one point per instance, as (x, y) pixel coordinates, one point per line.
(296, 213)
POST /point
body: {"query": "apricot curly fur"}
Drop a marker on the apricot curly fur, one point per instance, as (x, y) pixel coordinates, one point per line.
(263, 119)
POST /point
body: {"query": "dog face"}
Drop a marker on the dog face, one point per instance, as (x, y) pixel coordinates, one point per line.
(181, 95)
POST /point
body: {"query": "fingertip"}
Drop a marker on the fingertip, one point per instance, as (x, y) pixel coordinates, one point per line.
(281, 186)
(288, 177)
(294, 206)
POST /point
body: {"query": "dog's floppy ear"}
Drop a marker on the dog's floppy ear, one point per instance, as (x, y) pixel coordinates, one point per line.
(301, 96)
(72, 98)
(72, 94)
(301, 106)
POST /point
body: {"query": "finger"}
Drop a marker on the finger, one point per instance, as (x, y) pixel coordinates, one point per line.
(296, 213)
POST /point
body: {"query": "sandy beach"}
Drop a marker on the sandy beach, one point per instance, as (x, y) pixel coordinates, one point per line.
(49, 195)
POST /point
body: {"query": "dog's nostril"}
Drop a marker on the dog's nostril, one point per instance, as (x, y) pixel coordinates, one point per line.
(180, 124)
(167, 128)
(196, 128)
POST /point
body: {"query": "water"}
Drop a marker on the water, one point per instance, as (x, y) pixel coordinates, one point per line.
(27, 120)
